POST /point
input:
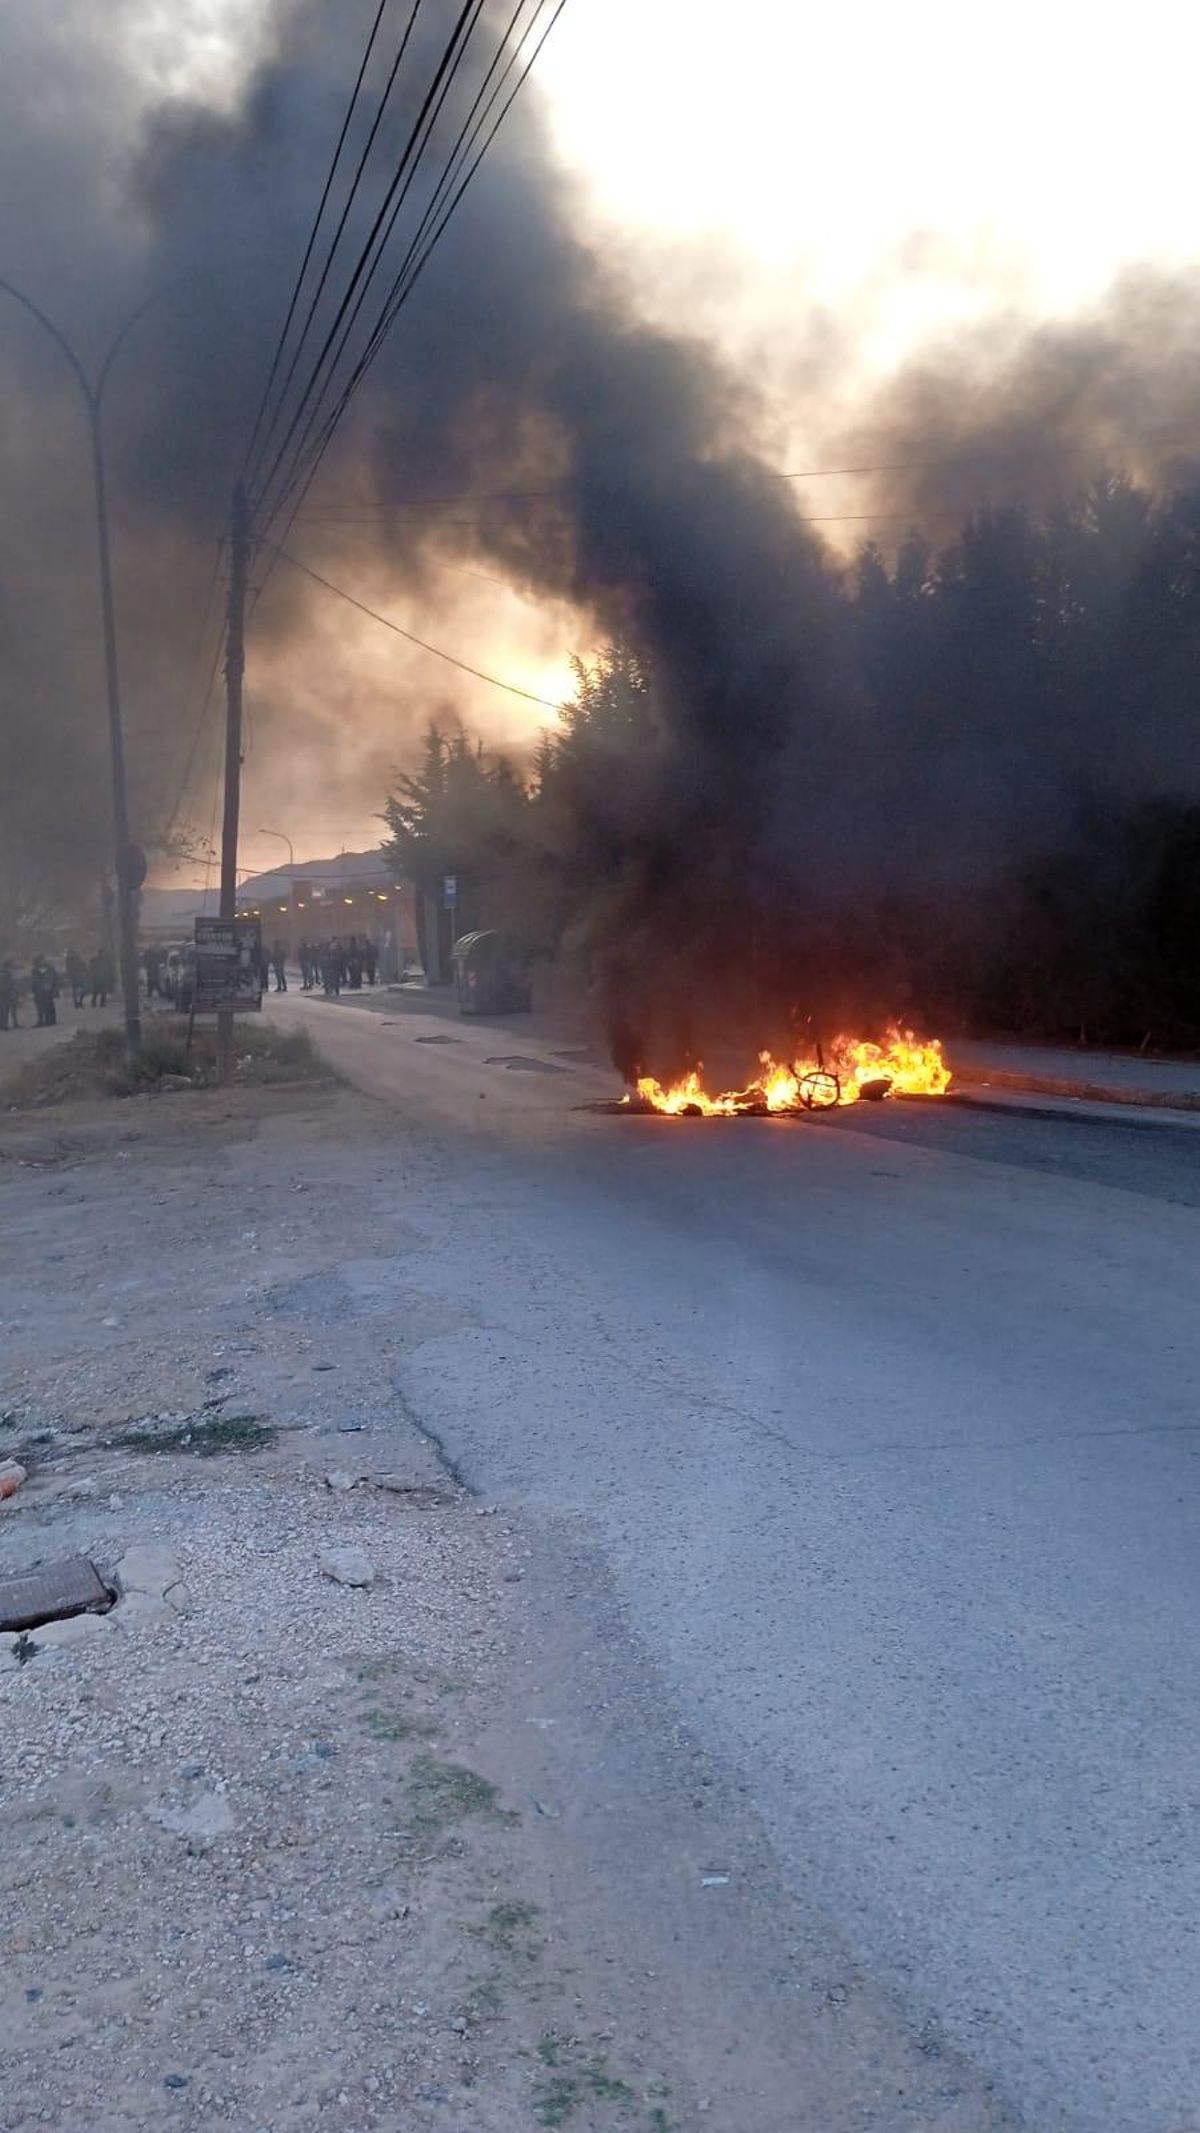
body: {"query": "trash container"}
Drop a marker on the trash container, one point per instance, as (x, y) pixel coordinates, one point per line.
(491, 974)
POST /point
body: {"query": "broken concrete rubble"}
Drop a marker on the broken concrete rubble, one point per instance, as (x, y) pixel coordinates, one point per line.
(150, 1580)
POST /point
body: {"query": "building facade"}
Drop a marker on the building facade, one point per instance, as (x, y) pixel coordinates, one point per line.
(334, 899)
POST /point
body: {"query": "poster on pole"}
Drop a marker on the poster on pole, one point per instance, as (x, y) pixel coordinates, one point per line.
(228, 966)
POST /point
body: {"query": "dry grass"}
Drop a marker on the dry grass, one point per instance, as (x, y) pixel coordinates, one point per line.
(207, 1437)
(93, 1063)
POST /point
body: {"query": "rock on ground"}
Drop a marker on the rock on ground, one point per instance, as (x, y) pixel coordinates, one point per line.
(347, 1565)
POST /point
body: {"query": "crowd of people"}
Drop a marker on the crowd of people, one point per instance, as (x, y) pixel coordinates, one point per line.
(353, 962)
(88, 979)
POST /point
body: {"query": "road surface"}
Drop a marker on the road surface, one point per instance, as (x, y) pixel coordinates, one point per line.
(887, 1427)
(27, 1042)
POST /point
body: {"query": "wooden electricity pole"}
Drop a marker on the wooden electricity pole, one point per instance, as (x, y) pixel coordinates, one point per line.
(235, 665)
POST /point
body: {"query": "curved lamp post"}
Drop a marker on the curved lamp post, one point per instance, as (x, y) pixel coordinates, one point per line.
(283, 840)
(127, 860)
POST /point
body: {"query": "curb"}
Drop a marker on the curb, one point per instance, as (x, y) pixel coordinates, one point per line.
(1090, 1092)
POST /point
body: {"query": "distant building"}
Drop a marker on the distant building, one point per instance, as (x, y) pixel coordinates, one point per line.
(324, 899)
(167, 914)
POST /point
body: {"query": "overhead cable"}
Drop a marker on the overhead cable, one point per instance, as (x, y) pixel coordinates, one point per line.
(411, 268)
(281, 343)
(304, 442)
(463, 665)
(347, 204)
(896, 466)
(366, 262)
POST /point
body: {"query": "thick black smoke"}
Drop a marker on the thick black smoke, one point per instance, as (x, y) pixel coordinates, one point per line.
(792, 796)
(1014, 414)
(520, 364)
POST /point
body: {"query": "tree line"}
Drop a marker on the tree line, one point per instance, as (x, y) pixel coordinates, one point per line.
(1022, 702)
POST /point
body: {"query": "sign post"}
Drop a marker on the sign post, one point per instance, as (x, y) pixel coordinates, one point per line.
(229, 969)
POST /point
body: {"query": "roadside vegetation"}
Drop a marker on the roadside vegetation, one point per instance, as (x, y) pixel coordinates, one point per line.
(93, 1063)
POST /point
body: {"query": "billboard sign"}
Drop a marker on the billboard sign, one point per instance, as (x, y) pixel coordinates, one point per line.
(228, 966)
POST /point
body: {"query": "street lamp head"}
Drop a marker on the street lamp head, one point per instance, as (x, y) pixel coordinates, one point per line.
(283, 839)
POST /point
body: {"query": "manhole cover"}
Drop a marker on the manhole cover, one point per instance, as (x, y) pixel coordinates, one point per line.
(51, 1593)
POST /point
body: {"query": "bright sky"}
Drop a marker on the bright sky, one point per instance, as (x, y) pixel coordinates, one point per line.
(1034, 146)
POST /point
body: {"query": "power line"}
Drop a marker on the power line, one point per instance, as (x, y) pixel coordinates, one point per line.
(464, 570)
(402, 287)
(468, 134)
(887, 466)
(201, 717)
(393, 218)
(981, 458)
(308, 252)
(486, 577)
(211, 849)
(811, 518)
(898, 466)
(345, 214)
(402, 294)
(206, 698)
(474, 121)
(484, 496)
(462, 664)
(301, 481)
(448, 63)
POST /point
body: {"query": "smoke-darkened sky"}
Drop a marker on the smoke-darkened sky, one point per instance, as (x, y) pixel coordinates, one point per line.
(127, 166)
(542, 352)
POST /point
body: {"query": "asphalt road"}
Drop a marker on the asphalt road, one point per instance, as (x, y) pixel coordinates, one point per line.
(888, 1427)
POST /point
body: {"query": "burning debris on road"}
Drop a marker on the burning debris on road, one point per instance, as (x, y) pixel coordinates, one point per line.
(853, 1071)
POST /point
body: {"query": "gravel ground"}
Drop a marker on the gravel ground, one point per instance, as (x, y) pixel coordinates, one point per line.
(265, 1862)
(251, 1863)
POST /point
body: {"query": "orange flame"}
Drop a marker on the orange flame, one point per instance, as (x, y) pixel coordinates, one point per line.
(903, 1064)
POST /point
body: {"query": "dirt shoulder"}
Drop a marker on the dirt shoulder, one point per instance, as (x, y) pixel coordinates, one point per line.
(275, 1855)
(258, 1869)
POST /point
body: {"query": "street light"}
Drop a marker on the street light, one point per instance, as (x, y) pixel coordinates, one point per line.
(282, 840)
(127, 860)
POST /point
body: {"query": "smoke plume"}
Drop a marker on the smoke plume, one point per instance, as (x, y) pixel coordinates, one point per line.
(792, 797)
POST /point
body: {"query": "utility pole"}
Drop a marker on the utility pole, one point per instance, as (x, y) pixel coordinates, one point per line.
(235, 667)
(129, 862)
